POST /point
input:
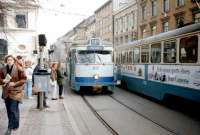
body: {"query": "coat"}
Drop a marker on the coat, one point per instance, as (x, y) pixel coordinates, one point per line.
(19, 78)
(59, 77)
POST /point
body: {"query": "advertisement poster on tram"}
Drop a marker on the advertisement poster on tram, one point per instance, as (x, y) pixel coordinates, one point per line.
(186, 76)
(136, 71)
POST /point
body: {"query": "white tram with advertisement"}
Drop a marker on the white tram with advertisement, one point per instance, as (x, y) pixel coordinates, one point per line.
(164, 65)
(91, 64)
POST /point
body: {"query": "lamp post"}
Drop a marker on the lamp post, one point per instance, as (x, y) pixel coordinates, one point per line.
(41, 77)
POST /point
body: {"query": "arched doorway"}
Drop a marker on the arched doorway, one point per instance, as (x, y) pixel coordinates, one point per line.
(3, 49)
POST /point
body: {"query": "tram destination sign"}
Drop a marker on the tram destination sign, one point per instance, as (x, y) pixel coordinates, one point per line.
(91, 47)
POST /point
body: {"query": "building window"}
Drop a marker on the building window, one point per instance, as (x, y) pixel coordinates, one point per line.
(179, 3)
(21, 21)
(154, 7)
(121, 40)
(144, 13)
(179, 21)
(165, 5)
(2, 20)
(165, 26)
(116, 26)
(116, 41)
(188, 49)
(144, 33)
(126, 39)
(169, 52)
(133, 20)
(3, 49)
(126, 23)
(153, 30)
(197, 18)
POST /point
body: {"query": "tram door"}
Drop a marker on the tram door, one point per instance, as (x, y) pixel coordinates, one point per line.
(72, 64)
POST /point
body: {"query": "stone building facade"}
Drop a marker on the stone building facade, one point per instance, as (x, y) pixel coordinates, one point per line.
(157, 16)
(125, 22)
(104, 22)
(18, 28)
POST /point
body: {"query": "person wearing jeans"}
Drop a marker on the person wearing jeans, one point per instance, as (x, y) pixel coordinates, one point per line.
(12, 78)
(28, 84)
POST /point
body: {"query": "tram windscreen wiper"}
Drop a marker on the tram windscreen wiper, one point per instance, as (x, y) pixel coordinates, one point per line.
(100, 59)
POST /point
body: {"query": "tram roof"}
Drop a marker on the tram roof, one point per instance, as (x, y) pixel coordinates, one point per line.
(166, 35)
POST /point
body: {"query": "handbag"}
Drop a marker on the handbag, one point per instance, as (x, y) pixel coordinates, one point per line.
(52, 83)
(34, 90)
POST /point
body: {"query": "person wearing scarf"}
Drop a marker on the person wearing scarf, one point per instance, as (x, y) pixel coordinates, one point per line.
(12, 77)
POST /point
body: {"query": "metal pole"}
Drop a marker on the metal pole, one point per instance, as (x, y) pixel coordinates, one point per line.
(41, 98)
(41, 94)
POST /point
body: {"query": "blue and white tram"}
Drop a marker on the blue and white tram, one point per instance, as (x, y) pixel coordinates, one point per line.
(91, 64)
(164, 65)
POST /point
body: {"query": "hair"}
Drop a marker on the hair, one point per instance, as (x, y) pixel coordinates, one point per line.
(19, 57)
(9, 56)
(53, 65)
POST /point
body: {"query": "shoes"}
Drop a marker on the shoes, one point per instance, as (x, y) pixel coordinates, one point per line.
(46, 106)
(61, 97)
(8, 132)
(54, 99)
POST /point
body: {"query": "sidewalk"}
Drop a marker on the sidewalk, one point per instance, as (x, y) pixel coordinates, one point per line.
(55, 120)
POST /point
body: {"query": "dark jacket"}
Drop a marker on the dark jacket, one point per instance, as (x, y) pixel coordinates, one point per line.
(59, 77)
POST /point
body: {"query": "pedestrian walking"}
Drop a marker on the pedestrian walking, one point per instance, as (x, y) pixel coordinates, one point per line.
(12, 78)
(19, 62)
(28, 83)
(53, 81)
(60, 81)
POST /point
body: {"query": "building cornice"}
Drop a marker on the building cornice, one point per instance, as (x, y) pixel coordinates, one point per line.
(105, 4)
(125, 7)
(16, 30)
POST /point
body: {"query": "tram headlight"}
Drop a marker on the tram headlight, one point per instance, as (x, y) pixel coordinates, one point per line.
(96, 76)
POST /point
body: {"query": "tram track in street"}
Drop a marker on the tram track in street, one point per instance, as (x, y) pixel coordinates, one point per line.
(142, 115)
(101, 119)
(112, 130)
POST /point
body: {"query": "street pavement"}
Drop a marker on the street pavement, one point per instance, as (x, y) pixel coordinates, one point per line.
(55, 120)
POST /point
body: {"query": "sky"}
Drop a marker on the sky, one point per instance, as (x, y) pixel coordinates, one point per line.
(57, 17)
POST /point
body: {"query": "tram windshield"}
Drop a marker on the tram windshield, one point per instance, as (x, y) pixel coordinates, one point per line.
(94, 57)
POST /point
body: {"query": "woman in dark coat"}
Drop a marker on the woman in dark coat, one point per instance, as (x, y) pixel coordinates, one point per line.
(12, 78)
(60, 81)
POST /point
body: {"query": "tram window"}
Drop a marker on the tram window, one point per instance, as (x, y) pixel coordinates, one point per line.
(170, 52)
(189, 49)
(136, 55)
(145, 54)
(123, 58)
(127, 58)
(156, 53)
(130, 56)
(95, 42)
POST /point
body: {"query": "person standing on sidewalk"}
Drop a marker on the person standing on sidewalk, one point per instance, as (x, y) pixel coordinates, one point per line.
(28, 83)
(53, 81)
(60, 81)
(12, 78)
